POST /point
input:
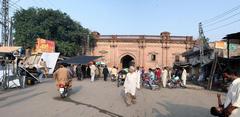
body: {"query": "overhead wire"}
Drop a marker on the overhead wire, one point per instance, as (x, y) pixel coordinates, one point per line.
(50, 2)
(220, 15)
(38, 4)
(223, 25)
(227, 18)
(47, 3)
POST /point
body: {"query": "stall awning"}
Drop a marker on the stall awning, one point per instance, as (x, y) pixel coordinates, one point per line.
(9, 49)
(80, 59)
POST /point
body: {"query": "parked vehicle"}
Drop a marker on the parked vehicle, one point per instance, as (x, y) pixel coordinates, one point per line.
(148, 83)
(175, 82)
(113, 78)
(121, 77)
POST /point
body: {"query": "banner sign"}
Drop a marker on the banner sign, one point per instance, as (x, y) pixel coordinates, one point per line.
(44, 45)
(221, 45)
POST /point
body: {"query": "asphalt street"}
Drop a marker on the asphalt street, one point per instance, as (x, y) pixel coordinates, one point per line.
(104, 99)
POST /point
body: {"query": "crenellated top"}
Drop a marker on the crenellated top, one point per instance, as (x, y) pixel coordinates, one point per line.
(164, 34)
(163, 37)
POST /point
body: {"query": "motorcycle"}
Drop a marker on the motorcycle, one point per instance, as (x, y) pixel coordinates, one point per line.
(121, 77)
(113, 77)
(148, 83)
(175, 82)
(63, 90)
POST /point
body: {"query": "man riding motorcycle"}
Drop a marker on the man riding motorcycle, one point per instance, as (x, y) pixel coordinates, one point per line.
(62, 76)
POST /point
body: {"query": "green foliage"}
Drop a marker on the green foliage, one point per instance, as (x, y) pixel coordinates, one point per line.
(52, 25)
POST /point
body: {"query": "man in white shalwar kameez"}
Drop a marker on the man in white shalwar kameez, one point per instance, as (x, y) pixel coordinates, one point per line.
(93, 69)
(164, 77)
(232, 102)
(184, 77)
(132, 82)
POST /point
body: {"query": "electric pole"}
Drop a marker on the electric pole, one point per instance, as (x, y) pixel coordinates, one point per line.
(5, 22)
(202, 42)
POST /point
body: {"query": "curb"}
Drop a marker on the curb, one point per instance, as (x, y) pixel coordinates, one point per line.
(194, 87)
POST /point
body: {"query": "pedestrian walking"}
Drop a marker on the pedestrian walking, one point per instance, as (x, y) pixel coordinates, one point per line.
(130, 85)
(88, 72)
(79, 72)
(105, 72)
(93, 71)
(114, 73)
(164, 77)
(158, 74)
(84, 70)
(184, 76)
(139, 72)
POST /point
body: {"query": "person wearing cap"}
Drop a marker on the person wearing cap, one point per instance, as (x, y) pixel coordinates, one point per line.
(130, 85)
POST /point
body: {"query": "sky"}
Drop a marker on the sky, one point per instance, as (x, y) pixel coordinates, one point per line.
(147, 17)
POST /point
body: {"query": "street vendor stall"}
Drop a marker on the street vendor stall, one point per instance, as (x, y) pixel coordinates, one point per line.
(9, 77)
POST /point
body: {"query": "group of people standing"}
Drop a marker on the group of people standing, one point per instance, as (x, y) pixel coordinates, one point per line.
(64, 75)
(133, 77)
(165, 74)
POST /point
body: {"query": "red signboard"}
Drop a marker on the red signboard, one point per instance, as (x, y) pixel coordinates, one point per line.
(44, 45)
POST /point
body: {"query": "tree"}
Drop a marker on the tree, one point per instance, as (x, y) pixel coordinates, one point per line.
(50, 24)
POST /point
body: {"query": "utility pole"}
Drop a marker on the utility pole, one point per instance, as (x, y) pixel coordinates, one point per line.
(87, 45)
(202, 42)
(5, 22)
(10, 37)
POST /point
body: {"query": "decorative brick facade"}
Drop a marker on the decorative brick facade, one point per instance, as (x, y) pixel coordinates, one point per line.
(148, 51)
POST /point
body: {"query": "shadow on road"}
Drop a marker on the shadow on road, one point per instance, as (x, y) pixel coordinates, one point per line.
(178, 110)
(74, 91)
(22, 99)
(21, 92)
(88, 105)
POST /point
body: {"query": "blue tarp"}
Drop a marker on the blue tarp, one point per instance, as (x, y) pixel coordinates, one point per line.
(80, 59)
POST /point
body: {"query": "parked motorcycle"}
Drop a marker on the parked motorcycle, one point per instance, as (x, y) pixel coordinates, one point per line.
(113, 77)
(175, 82)
(121, 77)
(148, 83)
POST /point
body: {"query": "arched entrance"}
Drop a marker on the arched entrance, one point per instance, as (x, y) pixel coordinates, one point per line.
(127, 61)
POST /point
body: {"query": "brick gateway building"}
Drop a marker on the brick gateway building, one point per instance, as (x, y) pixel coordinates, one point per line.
(148, 51)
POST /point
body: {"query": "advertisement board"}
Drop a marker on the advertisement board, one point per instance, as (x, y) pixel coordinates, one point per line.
(44, 45)
(221, 45)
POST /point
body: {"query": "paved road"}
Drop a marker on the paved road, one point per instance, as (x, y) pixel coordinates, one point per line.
(103, 99)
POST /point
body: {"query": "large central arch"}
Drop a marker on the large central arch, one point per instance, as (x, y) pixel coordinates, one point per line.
(127, 61)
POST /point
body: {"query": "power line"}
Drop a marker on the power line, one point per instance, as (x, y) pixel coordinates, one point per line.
(50, 2)
(15, 3)
(36, 2)
(223, 25)
(221, 15)
(13, 6)
(222, 20)
(47, 3)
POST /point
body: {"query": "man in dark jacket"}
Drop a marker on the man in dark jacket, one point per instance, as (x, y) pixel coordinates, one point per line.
(79, 72)
(105, 73)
